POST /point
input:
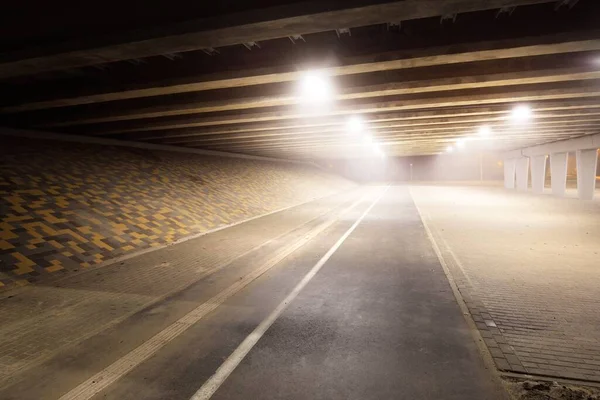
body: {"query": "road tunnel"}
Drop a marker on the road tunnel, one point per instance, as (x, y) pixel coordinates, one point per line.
(286, 199)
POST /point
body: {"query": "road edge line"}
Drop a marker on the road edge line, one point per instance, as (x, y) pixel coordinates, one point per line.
(230, 364)
(486, 356)
(119, 368)
(14, 290)
(174, 291)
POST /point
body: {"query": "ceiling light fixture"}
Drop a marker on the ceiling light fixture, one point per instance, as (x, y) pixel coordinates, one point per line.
(354, 125)
(484, 131)
(315, 88)
(521, 113)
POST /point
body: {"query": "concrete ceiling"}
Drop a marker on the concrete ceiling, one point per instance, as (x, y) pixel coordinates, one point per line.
(420, 74)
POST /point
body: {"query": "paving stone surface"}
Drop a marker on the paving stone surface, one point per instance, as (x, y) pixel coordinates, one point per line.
(67, 206)
(528, 268)
(39, 320)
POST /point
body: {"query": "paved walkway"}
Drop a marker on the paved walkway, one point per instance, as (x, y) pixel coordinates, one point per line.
(38, 321)
(380, 321)
(377, 321)
(529, 267)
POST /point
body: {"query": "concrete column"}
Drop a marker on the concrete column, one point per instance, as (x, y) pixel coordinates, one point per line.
(586, 173)
(538, 173)
(522, 169)
(509, 173)
(558, 173)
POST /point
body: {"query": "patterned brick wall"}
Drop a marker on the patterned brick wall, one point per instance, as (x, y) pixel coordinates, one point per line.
(65, 206)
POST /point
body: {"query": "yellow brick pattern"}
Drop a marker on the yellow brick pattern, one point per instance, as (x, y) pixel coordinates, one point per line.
(67, 206)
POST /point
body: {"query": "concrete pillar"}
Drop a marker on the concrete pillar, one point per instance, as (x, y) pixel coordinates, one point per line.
(558, 173)
(522, 169)
(509, 173)
(538, 173)
(586, 173)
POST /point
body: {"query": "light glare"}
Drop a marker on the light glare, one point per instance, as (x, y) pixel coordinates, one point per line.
(354, 125)
(521, 113)
(484, 131)
(377, 150)
(315, 88)
(460, 143)
(449, 149)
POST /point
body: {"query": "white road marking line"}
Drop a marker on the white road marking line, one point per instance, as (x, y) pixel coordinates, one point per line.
(231, 363)
(425, 217)
(176, 289)
(126, 257)
(475, 334)
(122, 366)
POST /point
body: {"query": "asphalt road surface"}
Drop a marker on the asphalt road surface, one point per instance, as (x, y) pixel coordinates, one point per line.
(356, 306)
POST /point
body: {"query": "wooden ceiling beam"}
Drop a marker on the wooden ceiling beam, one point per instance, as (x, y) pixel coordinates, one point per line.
(484, 51)
(400, 135)
(285, 126)
(501, 96)
(233, 29)
(550, 109)
(423, 136)
(403, 148)
(430, 135)
(388, 89)
(448, 124)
